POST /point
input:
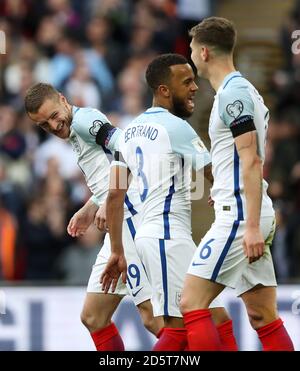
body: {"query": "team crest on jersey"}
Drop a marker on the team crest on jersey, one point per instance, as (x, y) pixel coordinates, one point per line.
(177, 298)
(235, 109)
(95, 128)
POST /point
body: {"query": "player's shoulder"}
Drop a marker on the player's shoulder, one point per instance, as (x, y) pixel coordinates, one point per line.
(159, 115)
(233, 86)
(86, 113)
(163, 120)
(87, 121)
(236, 94)
(174, 123)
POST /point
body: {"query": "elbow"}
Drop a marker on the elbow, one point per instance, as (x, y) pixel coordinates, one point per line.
(252, 163)
(116, 196)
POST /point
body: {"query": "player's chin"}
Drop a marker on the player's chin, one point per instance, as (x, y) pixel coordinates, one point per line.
(189, 110)
(200, 73)
(64, 134)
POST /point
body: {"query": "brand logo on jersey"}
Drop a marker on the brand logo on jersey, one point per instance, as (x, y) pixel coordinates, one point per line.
(235, 109)
(75, 144)
(95, 128)
(177, 298)
(134, 294)
(196, 264)
(198, 145)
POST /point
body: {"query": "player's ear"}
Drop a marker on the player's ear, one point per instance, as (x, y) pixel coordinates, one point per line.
(62, 98)
(204, 53)
(164, 91)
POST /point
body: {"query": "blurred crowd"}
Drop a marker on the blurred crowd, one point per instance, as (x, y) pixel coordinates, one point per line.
(96, 52)
(282, 166)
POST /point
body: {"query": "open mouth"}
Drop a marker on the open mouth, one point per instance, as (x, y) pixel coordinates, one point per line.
(191, 102)
(60, 130)
(60, 127)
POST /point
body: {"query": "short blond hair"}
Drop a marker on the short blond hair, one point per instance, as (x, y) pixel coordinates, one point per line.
(37, 94)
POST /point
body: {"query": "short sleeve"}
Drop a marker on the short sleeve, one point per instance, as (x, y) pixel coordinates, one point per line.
(93, 127)
(235, 106)
(118, 146)
(95, 200)
(186, 142)
(113, 140)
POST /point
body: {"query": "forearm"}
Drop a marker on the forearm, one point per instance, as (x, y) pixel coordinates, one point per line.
(252, 176)
(114, 219)
(91, 206)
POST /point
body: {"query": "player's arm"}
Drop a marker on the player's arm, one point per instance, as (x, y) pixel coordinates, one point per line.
(95, 128)
(100, 218)
(83, 218)
(238, 115)
(118, 187)
(246, 145)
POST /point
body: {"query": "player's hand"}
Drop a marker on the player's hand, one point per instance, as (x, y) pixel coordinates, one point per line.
(210, 201)
(80, 221)
(100, 218)
(115, 267)
(254, 244)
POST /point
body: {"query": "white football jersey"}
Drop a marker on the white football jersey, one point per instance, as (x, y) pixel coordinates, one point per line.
(94, 159)
(159, 148)
(236, 101)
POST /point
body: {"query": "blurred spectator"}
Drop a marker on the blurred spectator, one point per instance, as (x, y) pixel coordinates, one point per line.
(77, 259)
(64, 13)
(60, 150)
(100, 39)
(16, 12)
(283, 154)
(8, 243)
(80, 88)
(41, 244)
(62, 63)
(293, 243)
(10, 194)
(48, 33)
(286, 152)
(13, 148)
(132, 106)
(193, 10)
(280, 251)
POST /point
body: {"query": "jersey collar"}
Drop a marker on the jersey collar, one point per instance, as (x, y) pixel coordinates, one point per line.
(156, 110)
(74, 110)
(227, 78)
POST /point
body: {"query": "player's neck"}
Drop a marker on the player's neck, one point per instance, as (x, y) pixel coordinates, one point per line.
(160, 103)
(70, 107)
(218, 71)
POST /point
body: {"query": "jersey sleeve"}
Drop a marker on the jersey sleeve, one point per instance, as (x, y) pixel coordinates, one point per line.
(236, 109)
(94, 127)
(186, 142)
(118, 146)
(113, 140)
(95, 200)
